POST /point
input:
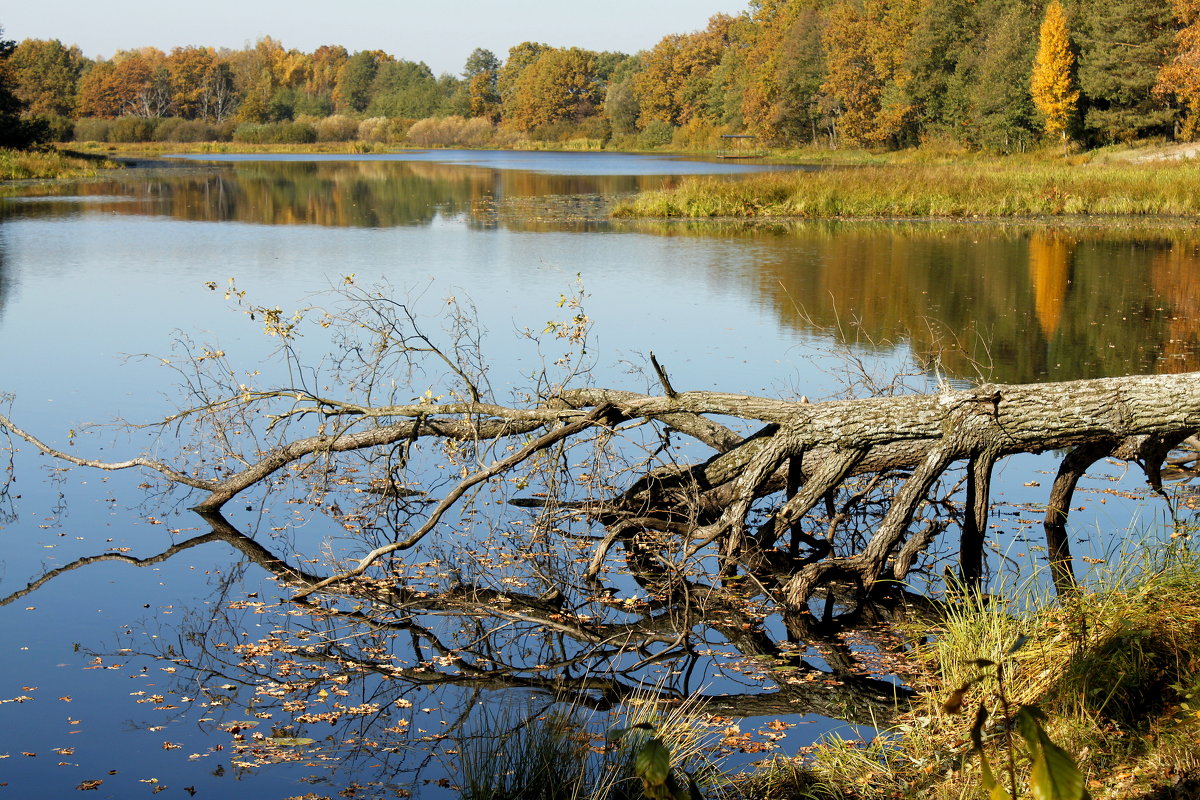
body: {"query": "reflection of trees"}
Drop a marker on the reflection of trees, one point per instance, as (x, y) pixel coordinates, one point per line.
(1015, 302)
(1050, 274)
(360, 664)
(4, 278)
(372, 194)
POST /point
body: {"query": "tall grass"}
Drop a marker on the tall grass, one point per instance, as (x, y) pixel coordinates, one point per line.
(22, 165)
(560, 753)
(971, 188)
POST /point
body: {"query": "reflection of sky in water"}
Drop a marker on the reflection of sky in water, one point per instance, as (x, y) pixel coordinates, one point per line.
(553, 163)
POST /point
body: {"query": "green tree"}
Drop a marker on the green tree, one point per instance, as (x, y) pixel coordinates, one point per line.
(997, 75)
(352, 91)
(1123, 45)
(15, 132)
(481, 60)
(938, 57)
(45, 76)
(620, 101)
(404, 89)
(1052, 83)
(796, 113)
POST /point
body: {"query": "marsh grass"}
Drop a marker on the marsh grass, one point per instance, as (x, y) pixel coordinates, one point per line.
(24, 165)
(963, 189)
(562, 754)
(1115, 668)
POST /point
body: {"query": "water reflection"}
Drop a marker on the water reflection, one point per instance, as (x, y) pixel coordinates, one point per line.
(5, 280)
(382, 675)
(1012, 303)
(371, 194)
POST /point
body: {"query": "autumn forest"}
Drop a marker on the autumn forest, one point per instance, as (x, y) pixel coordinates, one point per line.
(996, 75)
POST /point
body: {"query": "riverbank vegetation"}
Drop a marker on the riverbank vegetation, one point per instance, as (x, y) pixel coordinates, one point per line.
(1115, 669)
(993, 187)
(988, 75)
(22, 165)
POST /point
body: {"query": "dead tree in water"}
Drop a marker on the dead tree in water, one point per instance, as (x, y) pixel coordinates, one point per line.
(771, 502)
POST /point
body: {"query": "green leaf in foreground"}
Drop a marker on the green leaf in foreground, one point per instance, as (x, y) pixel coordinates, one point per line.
(1054, 775)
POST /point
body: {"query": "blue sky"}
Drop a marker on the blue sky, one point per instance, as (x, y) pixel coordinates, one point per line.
(441, 34)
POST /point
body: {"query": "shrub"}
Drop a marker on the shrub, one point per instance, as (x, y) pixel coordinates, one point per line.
(191, 130)
(59, 129)
(275, 133)
(696, 135)
(92, 129)
(387, 130)
(132, 129)
(338, 128)
(450, 131)
(163, 130)
(477, 132)
(656, 134)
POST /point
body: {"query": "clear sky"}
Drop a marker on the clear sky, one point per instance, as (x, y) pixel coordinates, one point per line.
(442, 33)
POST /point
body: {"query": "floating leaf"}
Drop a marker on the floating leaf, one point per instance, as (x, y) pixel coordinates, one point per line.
(289, 741)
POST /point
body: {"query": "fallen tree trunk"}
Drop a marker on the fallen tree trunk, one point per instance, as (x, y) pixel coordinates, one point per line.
(802, 455)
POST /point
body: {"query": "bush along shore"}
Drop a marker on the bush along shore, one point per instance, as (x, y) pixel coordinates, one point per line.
(1096, 694)
(1001, 187)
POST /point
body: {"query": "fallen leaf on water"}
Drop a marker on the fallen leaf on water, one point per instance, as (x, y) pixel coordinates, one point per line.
(83, 787)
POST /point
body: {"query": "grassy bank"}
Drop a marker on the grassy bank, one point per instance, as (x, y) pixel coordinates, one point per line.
(24, 165)
(1009, 187)
(1116, 671)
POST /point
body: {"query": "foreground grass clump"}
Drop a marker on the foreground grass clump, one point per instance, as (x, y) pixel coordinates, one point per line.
(979, 188)
(24, 165)
(1115, 669)
(557, 753)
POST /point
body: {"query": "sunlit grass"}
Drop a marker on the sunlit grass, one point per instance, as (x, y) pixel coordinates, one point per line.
(24, 165)
(968, 188)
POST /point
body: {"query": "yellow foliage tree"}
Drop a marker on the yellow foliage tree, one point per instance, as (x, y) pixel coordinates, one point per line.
(560, 85)
(865, 46)
(1180, 77)
(1052, 86)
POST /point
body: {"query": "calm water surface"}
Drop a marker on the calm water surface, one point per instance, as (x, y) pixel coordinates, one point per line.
(160, 651)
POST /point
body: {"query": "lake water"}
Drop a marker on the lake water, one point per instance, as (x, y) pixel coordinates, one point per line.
(160, 651)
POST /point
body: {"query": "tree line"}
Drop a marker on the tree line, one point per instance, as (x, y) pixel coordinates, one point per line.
(999, 75)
